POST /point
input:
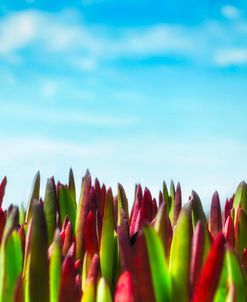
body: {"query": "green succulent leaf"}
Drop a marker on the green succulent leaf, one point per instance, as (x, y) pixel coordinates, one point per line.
(11, 265)
(240, 198)
(72, 185)
(107, 239)
(55, 269)
(66, 205)
(34, 195)
(241, 231)
(159, 270)
(235, 275)
(50, 209)
(180, 255)
(38, 270)
(103, 291)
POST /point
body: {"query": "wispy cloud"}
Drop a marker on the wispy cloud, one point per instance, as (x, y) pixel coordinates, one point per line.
(17, 31)
(65, 116)
(230, 11)
(228, 57)
(85, 46)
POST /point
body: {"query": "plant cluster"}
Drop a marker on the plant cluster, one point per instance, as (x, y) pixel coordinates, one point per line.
(98, 250)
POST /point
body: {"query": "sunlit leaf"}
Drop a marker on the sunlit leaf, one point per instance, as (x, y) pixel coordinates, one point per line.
(103, 291)
(2, 189)
(89, 293)
(34, 194)
(38, 269)
(55, 269)
(240, 198)
(107, 239)
(159, 270)
(81, 215)
(11, 265)
(50, 209)
(66, 205)
(235, 276)
(180, 255)
(207, 283)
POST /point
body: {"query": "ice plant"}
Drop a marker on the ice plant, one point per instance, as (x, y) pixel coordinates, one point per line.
(98, 249)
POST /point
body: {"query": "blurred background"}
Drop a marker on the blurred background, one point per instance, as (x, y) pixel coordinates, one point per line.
(135, 91)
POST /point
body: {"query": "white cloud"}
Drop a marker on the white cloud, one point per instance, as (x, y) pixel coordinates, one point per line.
(85, 63)
(154, 40)
(16, 31)
(228, 57)
(49, 89)
(65, 37)
(230, 12)
(55, 34)
(65, 116)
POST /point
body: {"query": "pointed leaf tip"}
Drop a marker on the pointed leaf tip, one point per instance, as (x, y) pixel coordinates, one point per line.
(215, 218)
(2, 189)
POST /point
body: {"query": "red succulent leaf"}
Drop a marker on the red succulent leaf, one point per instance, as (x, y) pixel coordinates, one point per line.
(141, 265)
(102, 200)
(65, 222)
(2, 189)
(91, 240)
(229, 231)
(161, 200)
(2, 223)
(97, 191)
(94, 269)
(125, 288)
(67, 239)
(154, 208)
(19, 290)
(215, 218)
(68, 288)
(135, 209)
(244, 259)
(147, 207)
(138, 223)
(62, 234)
(231, 200)
(92, 200)
(124, 242)
(197, 253)
(123, 199)
(227, 210)
(77, 264)
(177, 203)
(98, 226)
(209, 278)
(115, 208)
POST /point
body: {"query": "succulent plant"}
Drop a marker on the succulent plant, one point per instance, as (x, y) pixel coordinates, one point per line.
(96, 250)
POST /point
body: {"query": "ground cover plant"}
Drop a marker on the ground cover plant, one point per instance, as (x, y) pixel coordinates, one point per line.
(99, 250)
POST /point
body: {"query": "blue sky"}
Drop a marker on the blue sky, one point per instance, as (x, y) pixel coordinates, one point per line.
(132, 90)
